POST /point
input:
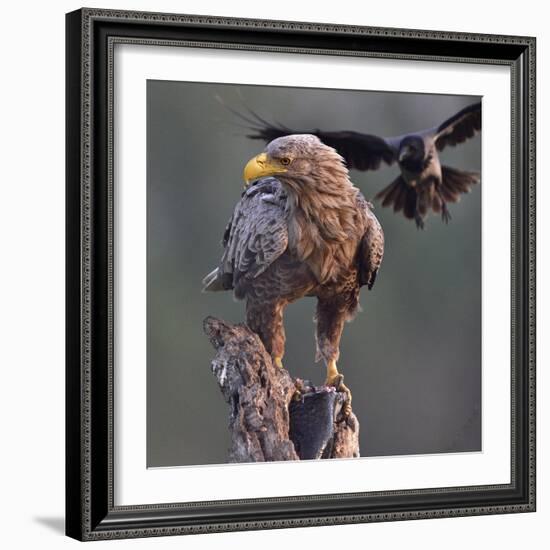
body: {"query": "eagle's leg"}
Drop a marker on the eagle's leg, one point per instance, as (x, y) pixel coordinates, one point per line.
(335, 379)
(331, 316)
(266, 320)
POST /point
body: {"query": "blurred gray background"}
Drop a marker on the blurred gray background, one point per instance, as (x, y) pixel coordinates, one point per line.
(412, 358)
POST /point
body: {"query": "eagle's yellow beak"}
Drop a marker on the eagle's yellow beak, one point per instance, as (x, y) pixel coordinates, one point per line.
(260, 166)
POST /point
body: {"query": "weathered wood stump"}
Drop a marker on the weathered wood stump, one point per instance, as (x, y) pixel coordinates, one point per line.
(271, 416)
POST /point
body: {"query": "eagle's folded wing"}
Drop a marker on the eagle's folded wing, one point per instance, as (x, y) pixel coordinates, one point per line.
(257, 233)
(371, 250)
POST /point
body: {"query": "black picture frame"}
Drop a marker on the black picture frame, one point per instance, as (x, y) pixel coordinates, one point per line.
(90, 510)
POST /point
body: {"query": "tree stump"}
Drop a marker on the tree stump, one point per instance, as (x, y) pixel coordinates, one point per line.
(271, 416)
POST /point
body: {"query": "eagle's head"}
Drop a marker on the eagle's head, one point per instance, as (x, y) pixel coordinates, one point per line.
(296, 159)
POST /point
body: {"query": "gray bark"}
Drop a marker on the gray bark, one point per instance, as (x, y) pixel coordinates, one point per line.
(271, 416)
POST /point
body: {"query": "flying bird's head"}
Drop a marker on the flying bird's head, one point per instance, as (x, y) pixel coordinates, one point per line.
(411, 151)
(295, 159)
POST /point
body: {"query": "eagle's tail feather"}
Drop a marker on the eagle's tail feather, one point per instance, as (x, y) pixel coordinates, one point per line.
(213, 281)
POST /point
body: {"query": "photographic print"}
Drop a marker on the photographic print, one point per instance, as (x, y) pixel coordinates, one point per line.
(313, 273)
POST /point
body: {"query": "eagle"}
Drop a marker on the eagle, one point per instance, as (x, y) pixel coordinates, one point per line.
(423, 183)
(301, 228)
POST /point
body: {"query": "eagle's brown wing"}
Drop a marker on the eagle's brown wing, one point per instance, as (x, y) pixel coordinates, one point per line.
(255, 237)
(371, 249)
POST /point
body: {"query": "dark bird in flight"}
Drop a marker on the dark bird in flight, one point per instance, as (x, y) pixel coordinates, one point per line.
(423, 183)
(301, 228)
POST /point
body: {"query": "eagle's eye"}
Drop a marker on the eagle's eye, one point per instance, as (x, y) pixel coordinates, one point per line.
(285, 161)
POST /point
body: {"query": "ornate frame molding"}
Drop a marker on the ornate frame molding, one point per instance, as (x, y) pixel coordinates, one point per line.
(91, 36)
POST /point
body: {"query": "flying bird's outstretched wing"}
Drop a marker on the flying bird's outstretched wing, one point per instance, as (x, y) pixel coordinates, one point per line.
(461, 126)
(360, 151)
(255, 237)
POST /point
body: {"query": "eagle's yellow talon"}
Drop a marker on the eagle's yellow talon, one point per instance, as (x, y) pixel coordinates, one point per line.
(299, 389)
(278, 362)
(336, 380)
(297, 396)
